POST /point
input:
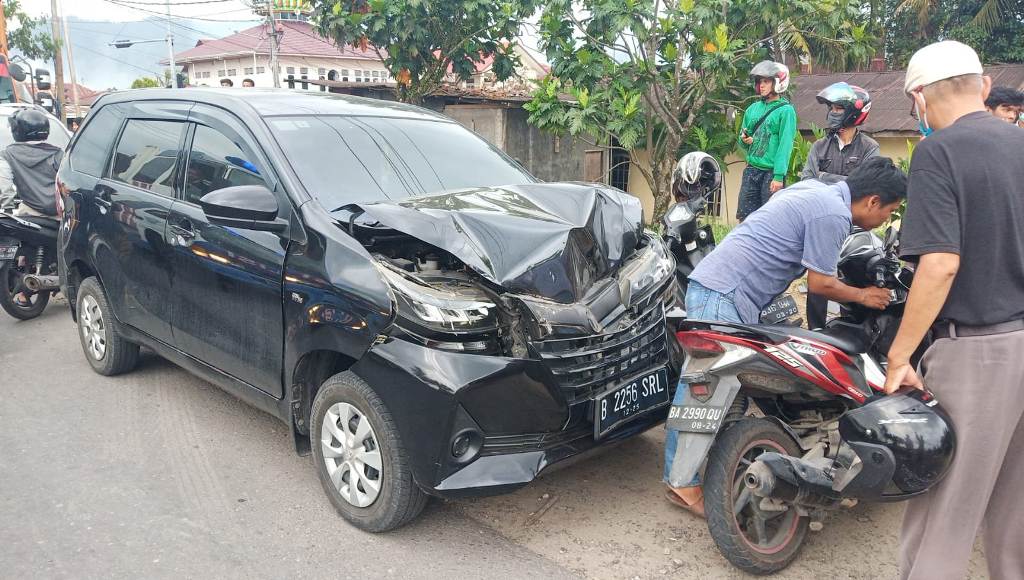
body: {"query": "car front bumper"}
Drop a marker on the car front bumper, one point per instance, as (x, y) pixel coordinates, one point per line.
(521, 419)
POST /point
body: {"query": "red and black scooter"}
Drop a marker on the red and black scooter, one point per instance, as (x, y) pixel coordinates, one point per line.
(787, 423)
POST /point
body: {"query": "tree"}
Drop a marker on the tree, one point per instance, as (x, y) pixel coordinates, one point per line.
(659, 77)
(25, 36)
(421, 41)
(146, 83)
(992, 27)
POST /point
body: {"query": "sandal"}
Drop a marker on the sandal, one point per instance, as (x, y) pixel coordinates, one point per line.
(696, 508)
(21, 301)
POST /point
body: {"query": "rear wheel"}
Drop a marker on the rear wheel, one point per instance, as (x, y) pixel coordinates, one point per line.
(755, 540)
(107, 350)
(11, 285)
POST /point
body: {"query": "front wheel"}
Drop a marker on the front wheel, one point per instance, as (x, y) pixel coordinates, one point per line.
(362, 463)
(31, 303)
(754, 540)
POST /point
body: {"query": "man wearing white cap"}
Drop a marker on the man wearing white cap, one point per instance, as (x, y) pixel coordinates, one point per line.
(963, 228)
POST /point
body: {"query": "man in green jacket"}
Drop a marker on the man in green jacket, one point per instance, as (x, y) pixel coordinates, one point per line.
(767, 133)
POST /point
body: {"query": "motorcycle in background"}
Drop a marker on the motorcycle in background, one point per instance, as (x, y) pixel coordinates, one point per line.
(697, 179)
(28, 264)
(791, 422)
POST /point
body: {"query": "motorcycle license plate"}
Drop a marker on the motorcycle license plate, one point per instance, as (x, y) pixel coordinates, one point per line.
(8, 251)
(695, 418)
(624, 402)
(780, 309)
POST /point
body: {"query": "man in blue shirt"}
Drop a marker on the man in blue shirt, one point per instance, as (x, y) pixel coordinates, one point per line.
(803, 227)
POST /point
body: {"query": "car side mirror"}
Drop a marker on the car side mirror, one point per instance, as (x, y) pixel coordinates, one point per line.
(248, 207)
(17, 73)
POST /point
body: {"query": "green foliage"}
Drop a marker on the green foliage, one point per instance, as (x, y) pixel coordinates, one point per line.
(24, 36)
(421, 40)
(664, 79)
(801, 149)
(146, 83)
(994, 28)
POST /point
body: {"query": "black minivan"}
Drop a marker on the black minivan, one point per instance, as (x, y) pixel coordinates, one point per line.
(426, 316)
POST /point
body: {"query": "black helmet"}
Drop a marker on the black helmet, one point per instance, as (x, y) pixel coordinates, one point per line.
(903, 442)
(29, 125)
(696, 175)
(855, 101)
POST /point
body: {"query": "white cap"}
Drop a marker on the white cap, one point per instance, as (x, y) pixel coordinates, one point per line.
(940, 61)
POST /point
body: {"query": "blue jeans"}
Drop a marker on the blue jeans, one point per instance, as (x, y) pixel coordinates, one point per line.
(701, 304)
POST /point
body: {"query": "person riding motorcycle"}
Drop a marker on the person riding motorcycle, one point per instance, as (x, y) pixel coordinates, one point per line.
(28, 171)
(28, 167)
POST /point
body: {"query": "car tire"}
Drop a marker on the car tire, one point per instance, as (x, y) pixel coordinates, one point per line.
(354, 438)
(109, 353)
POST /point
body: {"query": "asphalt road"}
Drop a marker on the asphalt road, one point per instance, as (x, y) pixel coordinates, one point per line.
(157, 474)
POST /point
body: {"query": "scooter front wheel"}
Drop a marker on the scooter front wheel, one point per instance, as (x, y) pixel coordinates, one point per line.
(754, 540)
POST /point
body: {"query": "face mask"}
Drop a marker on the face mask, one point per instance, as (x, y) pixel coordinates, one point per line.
(835, 120)
(922, 120)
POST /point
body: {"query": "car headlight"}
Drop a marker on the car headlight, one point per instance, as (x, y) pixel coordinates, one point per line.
(451, 314)
(646, 270)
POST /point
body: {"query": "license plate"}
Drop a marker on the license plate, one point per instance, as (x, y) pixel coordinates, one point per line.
(780, 309)
(8, 252)
(620, 404)
(695, 418)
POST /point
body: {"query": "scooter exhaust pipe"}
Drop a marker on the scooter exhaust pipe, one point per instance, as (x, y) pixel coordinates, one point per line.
(790, 479)
(41, 283)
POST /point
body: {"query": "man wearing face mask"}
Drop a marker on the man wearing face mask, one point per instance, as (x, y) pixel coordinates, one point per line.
(834, 156)
(962, 227)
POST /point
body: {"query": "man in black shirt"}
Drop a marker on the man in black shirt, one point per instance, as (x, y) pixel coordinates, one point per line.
(963, 227)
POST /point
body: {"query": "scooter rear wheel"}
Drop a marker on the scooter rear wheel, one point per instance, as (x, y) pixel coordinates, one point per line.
(11, 285)
(753, 540)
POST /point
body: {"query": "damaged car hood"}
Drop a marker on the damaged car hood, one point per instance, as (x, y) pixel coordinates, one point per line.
(551, 240)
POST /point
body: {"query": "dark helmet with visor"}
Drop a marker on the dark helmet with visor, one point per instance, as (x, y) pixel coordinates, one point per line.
(855, 101)
(29, 125)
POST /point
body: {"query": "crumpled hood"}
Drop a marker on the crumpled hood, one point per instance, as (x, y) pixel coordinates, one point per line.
(551, 240)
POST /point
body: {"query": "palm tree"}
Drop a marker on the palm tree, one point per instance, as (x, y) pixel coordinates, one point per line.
(987, 17)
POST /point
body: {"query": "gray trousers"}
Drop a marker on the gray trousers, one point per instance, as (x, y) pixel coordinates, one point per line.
(980, 382)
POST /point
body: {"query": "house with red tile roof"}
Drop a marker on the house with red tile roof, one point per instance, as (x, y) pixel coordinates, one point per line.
(303, 55)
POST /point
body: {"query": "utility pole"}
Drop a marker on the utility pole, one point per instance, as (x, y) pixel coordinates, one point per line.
(58, 62)
(71, 65)
(170, 48)
(274, 68)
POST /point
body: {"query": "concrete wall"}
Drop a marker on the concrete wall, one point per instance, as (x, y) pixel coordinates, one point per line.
(546, 156)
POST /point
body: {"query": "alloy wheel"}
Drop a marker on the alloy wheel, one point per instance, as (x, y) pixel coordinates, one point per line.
(351, 454)
(766, 532)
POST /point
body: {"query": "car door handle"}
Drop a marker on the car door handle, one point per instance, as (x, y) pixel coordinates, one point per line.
(183, 228)
(102, 197)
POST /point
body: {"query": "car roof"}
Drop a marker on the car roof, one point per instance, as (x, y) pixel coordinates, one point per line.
(8, 109)
(278, 102)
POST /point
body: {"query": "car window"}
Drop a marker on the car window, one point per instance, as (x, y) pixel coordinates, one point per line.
(92, 149)
(216, 162)
(147, 154)
(344, 159)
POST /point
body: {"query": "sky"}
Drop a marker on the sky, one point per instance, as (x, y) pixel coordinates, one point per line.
(111, 11)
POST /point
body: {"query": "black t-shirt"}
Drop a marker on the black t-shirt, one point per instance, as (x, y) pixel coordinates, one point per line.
(966, 197)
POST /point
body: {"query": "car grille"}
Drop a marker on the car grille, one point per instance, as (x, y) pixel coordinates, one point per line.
(503, 444)
(588, 365)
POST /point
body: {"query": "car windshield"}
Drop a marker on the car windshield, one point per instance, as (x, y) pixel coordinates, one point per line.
(342, 159)
(58, 136)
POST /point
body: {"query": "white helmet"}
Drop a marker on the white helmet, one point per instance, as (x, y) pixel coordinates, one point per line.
(697, 174)
(776, 71)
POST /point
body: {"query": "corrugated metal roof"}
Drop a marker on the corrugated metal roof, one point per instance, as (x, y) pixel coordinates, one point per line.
(890, 107)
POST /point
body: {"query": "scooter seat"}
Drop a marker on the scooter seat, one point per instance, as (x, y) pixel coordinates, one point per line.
(846, 337)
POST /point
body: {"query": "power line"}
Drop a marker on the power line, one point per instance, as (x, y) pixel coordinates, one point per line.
(124, 62)
(165, 15)
(176, 3)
